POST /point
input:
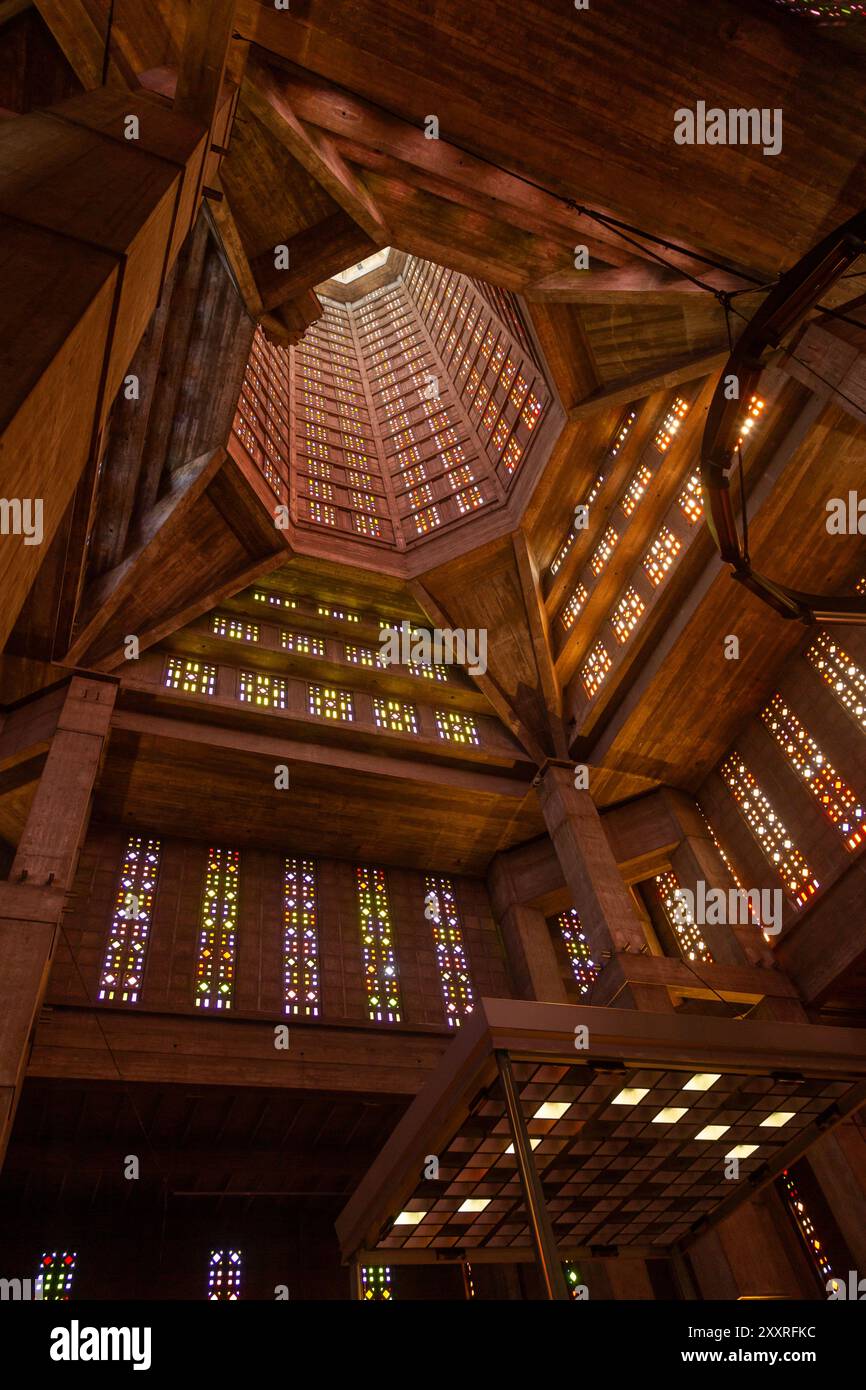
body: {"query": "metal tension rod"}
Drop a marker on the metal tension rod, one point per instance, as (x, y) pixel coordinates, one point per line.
(797, 293)
(546, 1252)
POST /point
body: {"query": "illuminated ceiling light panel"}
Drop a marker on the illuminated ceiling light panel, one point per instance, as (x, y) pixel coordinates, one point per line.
(552, 1110)
(742, 1151)
(534, 1142)
(702, 1081)
(712, 1132)
(474, 1204)
(670, 1115)
(777, 1119)
(632, 1095)
(409, 1218)
(346, 277)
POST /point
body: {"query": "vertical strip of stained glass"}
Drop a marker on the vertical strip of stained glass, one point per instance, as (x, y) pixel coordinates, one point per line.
(845, 678)
(440, 908)
(583, 966)
(123, 963)
(681, 918)
(224, 1276)
(805, 1226)
(376, 1284)
(301, 940)
(53, 1283)
(217, 942)
(837, 800)
(769, 830)
(377, 941)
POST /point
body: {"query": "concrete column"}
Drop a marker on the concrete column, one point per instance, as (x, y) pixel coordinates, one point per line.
(531, 955)
(31, 901)
(748, 1255)
(91, 223)
(594, 880)
(838, 1160)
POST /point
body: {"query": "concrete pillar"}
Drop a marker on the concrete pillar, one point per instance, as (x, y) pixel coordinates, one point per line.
(750, 1255)
(91, 223)
(594, 880)
(525, 934)
(31, 901)
(838, 1160)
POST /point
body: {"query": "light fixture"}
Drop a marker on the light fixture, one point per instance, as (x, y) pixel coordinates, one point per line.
(632, 1095)
(713, 1131)
(670, 1115)
(474, 1204)
(534, 1142)
(409, 1218)
(702, 1081)
(777, 1119)
(742, 1151)
(552, 1110)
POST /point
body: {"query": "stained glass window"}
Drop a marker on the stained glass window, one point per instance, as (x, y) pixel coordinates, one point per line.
(563, 552)
(564, 549)
(825, 10)
(440, 908)
(342, 614)
(376, 1284)
(275, 600)
(327, 702)
(217, 942)
(238, 628)
(769, 830)
(511, 456)
(604, 550)
(836, 799)
(803, 1221)
(321, 513)
(595, 668)
(192, 677)
(670, 425)
(626, 615)
(572, 607)
(594, 490)
(123, 965)
(369, 526)
(754, 410)
(845, 678)
(258, 688)
(661, 555)
(316, 488)
(681, 918)
(430, 673)
(420, 495)
(456, 727)
(301, 939)
(303, 643)
(427, 520)
(637, 487)
(363, 656)
(583, 966)
(468, 499)
(377, 943)
(622, 433)
(56, 1272)
(224, 1276)
(691, 501)
(753, 915)
(396, 715)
